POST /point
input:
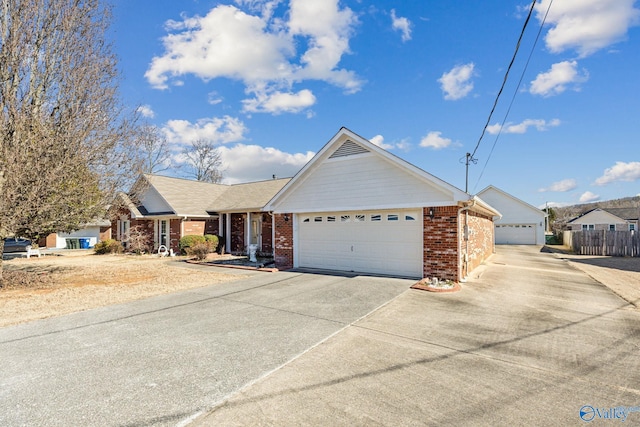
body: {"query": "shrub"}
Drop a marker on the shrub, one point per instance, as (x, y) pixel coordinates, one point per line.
(108, 246)
(213, 241)
(189, 241)
(199, 250)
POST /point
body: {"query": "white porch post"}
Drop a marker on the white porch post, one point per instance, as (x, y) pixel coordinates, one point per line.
(227, 232)
(247, 234)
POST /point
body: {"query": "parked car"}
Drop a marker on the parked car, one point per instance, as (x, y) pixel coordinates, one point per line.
(16, 244)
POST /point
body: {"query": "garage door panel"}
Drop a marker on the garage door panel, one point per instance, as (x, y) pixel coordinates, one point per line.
(515, 234)
(362, 241)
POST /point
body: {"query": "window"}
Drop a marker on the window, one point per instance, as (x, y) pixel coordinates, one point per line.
(317, 219)
(588, 227)
(331, 219)
(163, 232)
(632, 227)
(306, 219)
(359, 218)
(612, 227)
(409, 218)
(392, 217)
(376, 217)
(345, 218)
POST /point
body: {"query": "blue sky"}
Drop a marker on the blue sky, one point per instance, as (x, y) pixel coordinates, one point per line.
(272, 81)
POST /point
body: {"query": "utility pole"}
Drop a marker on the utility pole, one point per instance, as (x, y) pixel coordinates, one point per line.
(468, 160)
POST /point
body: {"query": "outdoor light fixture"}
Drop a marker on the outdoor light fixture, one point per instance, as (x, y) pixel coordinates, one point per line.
(431, 213)
(286, 217)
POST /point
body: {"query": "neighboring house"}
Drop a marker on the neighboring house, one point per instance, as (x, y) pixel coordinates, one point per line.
(87, 236)
(170, 208)
(612, 219)
(356, 207)
(521, 223)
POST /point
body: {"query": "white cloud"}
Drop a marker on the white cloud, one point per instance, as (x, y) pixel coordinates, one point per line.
(222, 130)
(246, 163)
(621, 171)
(522, 127)
(401, 24)
(379, 141)
(279, 102)
(213, 98)
(146, 111)
(456, 84)
(587, 25)
(588, 196)
(556, 80)
(260, 50)
(561, 186)
(554, 205)
(435, 140)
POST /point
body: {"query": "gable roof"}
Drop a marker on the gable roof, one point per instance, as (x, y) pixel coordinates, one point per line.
(608, 212)
(248, 196)
(630, 214)
(191, 198)
(493, 188)
(347, 143)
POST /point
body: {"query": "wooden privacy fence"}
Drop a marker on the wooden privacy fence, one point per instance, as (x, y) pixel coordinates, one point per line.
(602, 242)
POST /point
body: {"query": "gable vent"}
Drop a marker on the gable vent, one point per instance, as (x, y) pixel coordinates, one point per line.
(349, 148)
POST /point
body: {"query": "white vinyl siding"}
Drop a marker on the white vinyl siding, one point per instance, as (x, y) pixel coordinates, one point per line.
(364, 181)
(362, 241)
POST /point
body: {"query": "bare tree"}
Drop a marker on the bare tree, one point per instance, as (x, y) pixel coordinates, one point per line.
(204, 160)
(65, 137)
(155, 152)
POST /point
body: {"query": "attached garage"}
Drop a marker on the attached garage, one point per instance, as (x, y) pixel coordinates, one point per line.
(515, 234)
(358, 208)
(379, 241)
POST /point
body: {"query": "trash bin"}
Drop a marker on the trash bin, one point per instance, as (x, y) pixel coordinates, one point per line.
(84, 243)
(72, 243)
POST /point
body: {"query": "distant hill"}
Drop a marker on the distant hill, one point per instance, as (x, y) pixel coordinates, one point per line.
(567, 213)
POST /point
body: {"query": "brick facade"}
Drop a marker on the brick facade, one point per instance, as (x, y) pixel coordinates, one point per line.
(440, 243)
(237, 243)
(480, 244)
(283, 246)
(267, 235)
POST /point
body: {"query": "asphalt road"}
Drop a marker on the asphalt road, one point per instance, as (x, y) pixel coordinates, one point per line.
(164, 360)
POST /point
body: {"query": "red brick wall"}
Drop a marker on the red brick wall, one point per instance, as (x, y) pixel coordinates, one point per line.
(211, 226)
(283, 255)
(175, 234)
(193, 228)
(267, 235)
(237, 233)
(440, 237)
(480, 245)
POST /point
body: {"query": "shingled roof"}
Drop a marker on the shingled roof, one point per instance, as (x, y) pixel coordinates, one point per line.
(194, 198)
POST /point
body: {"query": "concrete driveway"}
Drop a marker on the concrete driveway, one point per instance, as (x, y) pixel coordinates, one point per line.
(528, 341)
(163, 360)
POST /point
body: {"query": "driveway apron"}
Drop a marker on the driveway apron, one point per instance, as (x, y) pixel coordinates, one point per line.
(528, 341)
(165, 360)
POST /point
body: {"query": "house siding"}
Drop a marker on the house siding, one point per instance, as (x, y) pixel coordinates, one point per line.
(283, 245)
(360, 182)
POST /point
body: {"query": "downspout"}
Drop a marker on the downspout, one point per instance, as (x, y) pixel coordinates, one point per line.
(466, 237)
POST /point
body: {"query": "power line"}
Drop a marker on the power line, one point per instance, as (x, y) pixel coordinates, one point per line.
(515, 92)
(504, 82)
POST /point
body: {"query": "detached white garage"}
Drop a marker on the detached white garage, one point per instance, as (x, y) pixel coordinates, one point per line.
(379, 241)
(521, 223)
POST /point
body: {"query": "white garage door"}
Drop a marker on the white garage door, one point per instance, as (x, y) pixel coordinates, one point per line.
(515, 234)
(382, 242)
